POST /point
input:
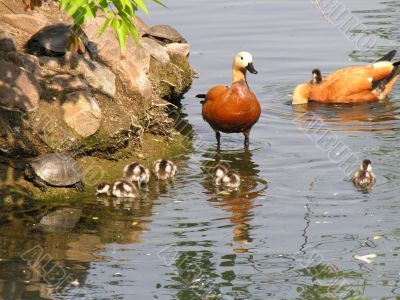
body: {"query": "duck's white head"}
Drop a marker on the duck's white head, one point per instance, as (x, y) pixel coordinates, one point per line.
(244, 61)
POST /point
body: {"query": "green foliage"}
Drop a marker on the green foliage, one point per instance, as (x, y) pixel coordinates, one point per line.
(119, 15)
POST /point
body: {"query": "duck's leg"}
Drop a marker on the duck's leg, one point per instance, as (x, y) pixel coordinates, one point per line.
(218, 136)
(246, 139)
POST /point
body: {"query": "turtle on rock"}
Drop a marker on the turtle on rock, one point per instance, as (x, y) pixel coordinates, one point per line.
(54, 169)
(164, 34)
(58, 39)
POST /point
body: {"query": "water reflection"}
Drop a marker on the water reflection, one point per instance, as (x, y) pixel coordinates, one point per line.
(240, 203)
(351, 118)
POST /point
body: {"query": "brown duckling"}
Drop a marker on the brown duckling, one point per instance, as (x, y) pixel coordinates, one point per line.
(316, 76)
(136, 172)
(164, 169)
(364, 177)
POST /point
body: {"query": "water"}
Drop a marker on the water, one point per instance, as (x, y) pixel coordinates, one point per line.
(296, 223)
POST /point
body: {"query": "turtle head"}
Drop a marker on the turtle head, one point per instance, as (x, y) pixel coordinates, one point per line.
(29, 173)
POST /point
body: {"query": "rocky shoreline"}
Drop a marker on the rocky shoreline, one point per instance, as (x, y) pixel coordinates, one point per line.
(84, 106)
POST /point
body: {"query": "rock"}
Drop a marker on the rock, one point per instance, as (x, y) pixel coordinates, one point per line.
(27, 23)
(157, 51)
(19, 89)
(66, 82)
(98, 76)
(28, 62)
(50, 62)
(132, 64)
(82, 113)
(141, 26)
(6, 43)
(178, 49)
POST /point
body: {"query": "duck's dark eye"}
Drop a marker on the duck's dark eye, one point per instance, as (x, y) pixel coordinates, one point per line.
(241, 57)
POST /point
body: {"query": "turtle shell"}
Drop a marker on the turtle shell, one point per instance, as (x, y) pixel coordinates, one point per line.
(53, 37)
(165, 33)
(56, 39)
(57, 169)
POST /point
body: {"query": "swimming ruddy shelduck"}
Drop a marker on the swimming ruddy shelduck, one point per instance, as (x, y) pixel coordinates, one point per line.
(235, 108)
(164, 169)
(352, 84)
(364, 178)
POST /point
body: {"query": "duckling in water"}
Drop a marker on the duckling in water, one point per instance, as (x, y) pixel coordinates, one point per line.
(136, 172)
(231, 180)
(219, 173)
(104, 188)
(316, 76)
(226, 178)
(164, 169)
(119, 189)
(364, 178)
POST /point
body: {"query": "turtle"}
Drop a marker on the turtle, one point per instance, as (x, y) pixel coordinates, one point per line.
(54, 169)
(57, 39)
(164, 34)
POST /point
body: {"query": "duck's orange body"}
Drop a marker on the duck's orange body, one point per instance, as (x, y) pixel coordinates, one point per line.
(351, 85)
(234, 109)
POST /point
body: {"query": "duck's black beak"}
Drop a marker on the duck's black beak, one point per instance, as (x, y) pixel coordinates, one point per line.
(251, 69)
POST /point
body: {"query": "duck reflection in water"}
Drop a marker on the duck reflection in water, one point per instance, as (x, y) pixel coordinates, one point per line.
(239, 203)
(346, 114)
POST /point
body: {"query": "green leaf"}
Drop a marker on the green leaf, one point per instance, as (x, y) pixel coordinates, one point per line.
(160, 3)
(63, 4)
(104, 26)
(142, 6)
(132, 29)
(75, 5)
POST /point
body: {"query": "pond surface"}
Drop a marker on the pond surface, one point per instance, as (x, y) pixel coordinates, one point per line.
(295, 225)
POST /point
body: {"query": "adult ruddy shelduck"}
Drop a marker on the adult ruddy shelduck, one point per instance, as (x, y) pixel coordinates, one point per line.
(352, 84)
(235, 108)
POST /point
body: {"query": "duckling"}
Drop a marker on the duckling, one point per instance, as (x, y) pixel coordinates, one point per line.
(316, 76)
(226, 178)
(124, 189)
(136, 172)
(219, 172)
(120, 189)
(104, 188)
(364, 178)
(164, 169)
(231, 180)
